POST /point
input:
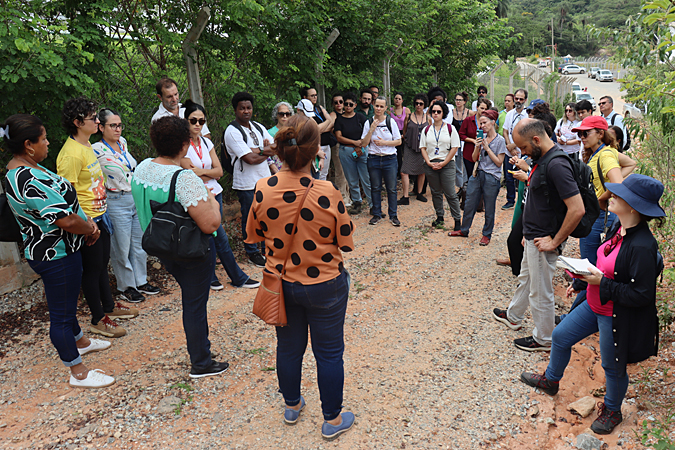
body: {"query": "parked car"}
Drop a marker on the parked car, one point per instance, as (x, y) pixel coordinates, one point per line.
(562, 67)
(634, 111)
(542, 63)
(579, 96)
(576, 87)
(573, 68)
(593, 72)
(604, 75)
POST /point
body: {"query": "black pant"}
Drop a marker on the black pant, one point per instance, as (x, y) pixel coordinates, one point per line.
(515, 245)
(95, 282)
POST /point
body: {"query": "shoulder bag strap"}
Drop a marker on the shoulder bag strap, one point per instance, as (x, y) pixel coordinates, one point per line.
(295, 224)
(172, 190)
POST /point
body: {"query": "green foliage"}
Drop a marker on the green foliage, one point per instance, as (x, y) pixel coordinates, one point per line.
(657, 434)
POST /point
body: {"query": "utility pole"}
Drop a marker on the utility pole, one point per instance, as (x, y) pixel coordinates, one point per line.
(320, 88)
(386, 78)
(552, 47)
(533, 45)
(194, 82)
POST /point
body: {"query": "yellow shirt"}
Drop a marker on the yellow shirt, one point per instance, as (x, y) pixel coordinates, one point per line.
(78, 164)
(609, 159)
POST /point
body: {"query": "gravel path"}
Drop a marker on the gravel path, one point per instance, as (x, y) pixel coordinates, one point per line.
(426, 367)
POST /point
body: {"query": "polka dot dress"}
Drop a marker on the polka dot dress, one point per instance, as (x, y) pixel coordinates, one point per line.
(324, 228)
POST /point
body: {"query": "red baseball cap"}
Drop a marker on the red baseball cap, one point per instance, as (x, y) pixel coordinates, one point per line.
(591, 123)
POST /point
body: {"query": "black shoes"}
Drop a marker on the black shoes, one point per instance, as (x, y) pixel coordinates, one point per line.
(530, 345)
(540, 382)
(149, 289)
(606, 420)
(421, 198)
(458, 225)
(440, 221)
(403, 201)
(395, 222)
(257, 259)
(132, 295)
(214, 369)
(374, 220)
(355, 208)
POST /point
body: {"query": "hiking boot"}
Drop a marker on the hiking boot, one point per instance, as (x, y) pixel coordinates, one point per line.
(606, 420)
(500, 316)
(530, 345)
(403, 201)
(508, 206)
(149, 289)
(123, 312)
(257, 259)
(540, 382)
(108, 328)
(132, 295)
(356, 208)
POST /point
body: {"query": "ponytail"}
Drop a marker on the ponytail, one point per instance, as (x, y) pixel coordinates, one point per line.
(297, 143)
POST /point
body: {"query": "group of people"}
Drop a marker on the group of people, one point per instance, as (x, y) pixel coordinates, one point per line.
(296, 224)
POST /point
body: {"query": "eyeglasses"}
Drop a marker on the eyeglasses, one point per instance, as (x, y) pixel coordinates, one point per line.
(602, 103)
(95, 118)
(284, 114)
(419, 103)
(116, 126)
(459, 100)
(255, 138)
(350, 104)
(338, 102)
(609, 248)
(194, 121)
(436, 111)
(584, 133)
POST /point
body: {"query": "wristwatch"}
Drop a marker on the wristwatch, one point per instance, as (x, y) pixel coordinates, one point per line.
(261, 152)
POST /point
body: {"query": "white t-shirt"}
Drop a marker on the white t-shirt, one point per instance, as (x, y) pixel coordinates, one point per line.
(618, 121)
(565, 128)
(204, 162)
(438, 145)
(381, 132)
(162, 112)
(511, 120)
(246, 175)
(447, 119)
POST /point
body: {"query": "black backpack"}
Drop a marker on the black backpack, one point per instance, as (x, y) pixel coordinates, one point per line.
(387, 122)
(626, 145)
(583, 175)
(228, 161)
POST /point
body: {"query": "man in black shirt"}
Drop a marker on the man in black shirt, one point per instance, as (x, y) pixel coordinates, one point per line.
(544, 237)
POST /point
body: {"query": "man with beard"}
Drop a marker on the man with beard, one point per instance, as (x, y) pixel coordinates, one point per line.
(366, 107)
(544, 237)
(510, 121)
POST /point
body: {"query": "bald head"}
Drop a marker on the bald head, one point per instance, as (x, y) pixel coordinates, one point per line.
(531, 138)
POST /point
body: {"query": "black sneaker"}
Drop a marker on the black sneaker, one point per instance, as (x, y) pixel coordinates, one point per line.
(257, 259)
(500, 316)
(530, 345)
(540, 382)
(215, 369)
(403, 201)
(132, 295)
(606, 420)
(438, 222)
(250, 284)
(149, 289)
(421, 198)
(458, 225)
(508, 206)
(395, 222)
(355, 208)
(216, 285)
(374, 220)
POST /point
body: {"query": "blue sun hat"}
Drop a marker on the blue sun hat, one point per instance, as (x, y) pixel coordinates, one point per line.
(642, 193)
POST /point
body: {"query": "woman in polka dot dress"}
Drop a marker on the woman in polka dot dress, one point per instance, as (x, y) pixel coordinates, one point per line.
(316, 284)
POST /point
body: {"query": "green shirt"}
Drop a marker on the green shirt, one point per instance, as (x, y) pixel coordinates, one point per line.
(371, 111)
(500, 122)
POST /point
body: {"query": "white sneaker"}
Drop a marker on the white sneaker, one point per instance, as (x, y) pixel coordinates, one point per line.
(95, 345)
(95, 379)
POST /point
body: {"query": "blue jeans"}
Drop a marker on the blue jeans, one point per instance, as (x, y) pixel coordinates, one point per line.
(379, 168)
(488, 186)
(62, 278)
(355, 169)
(222, 247)
(194, 279)
(577, 325)
(322, 307)
(588, 246)
(509, 181)
(128, 260)
(246, 200)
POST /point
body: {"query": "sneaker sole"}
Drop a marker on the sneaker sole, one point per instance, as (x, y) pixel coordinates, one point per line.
(506, 322)
(210, 374)
(91, 351)
(545, 391)
(130, 300)
(293, 422)
(337, 434)
(125, 316)
(147, 292)
(91, 387)
(250, 286)
(533, 349)
(217, 288)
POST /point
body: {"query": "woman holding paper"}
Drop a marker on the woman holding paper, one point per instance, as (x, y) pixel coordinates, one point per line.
(621, 302)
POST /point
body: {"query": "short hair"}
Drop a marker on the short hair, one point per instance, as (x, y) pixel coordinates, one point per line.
(609, 99)
(164, 83)
(191, 107)
(169, 134)
(436, 91)
(365, 91)
(22, 128)
(349, 96)
(104, 115)
(541, 108)
(524, 91)
(464, 95)
(531, 128)
(422, 97)
(481, 88)
(513, 97)
(583, 105)
(374, 86)
(382, 97)
(241, 97)
(297, 143)
(484, 100)
(76, 109)
(275, 110)
(443, 106)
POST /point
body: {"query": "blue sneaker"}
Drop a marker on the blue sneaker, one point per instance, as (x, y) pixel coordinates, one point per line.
(330, 432)
(291, 416)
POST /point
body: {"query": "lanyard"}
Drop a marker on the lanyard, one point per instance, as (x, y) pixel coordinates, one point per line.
(123, 153)
(596, 152)
(531, 173)
(516, 119)
(198, 151)
(437, 136)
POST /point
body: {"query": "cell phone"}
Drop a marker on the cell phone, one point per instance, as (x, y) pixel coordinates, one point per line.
(354, 154)
(480, 134)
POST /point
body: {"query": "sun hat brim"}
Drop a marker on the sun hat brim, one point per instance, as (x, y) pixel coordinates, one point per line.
(635, 201)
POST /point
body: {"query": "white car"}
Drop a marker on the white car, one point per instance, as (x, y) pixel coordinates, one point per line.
(573, 69)
(593, 72)
(542, 63)
(576, 88)
(579, 96)
(631, 110)
(604, 75)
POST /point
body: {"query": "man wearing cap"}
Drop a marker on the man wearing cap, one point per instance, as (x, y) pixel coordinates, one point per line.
(544, 236)
(167, 92)
(309, 108)
(510, 121)
(606, 105)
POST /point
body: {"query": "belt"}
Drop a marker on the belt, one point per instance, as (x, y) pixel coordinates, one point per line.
(381, 154)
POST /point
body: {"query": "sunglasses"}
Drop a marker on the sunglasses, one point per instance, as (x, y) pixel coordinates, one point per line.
(459, 100)
(284, 114)
(584, 133)
(194, 121)
(419, 103)
(482, 92)
(569, 110)
(436, 111)
(116, 126)
(602, 103)
(255, 138)
(616, 239)
(350, 104)
(338, 102)
(520, 99)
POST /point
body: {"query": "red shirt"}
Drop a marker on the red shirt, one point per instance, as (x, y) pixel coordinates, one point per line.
(468, 130)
